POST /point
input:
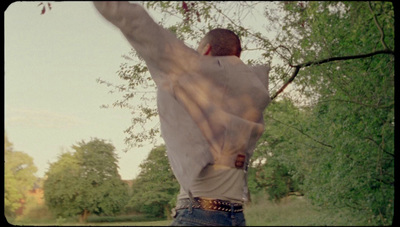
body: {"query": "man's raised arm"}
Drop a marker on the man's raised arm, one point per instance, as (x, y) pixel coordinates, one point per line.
(126, 16)
(160, 48)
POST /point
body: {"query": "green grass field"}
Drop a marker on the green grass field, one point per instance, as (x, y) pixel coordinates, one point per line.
(291, 211)
(296, 211)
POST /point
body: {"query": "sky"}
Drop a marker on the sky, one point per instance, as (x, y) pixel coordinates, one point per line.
(52, 100)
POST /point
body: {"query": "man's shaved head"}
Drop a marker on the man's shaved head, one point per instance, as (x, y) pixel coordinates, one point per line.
(223, 42)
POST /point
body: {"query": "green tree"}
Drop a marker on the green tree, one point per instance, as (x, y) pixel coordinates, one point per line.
(155, 189)
(86, 182)
(276, 162)
(19, 177)
(338, 58)
(350, 80)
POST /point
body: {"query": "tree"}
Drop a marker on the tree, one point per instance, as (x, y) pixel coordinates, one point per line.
(19, 177)
(155, 189)
(277, 163)
(338, 58)
(350, 82)
(85, 182)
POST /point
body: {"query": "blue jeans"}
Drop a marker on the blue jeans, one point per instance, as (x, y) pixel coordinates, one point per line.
(199, 217)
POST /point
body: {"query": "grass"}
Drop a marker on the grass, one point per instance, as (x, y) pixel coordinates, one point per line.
(144, 223)
(291, 211)
(296, 211)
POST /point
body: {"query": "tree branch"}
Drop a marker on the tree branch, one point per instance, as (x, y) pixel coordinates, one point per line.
(344, 58)
(287, 49)
(379, 146)
(390, 105)
(387, 51)
(300, 131)
(379, 27)
(294, 74)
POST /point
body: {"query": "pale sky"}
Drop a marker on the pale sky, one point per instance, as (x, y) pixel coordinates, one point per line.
(52, 99)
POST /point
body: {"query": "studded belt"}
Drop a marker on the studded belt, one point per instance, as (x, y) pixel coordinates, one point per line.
(209, 204)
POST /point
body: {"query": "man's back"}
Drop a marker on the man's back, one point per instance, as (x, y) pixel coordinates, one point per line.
(210, 108)
(223, 102)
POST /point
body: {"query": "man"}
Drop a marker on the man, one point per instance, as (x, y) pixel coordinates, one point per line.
(210, 106)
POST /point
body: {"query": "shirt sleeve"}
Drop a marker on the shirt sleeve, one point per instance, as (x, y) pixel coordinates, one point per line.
(160, 48)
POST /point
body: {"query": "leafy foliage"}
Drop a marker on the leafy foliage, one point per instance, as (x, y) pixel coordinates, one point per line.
(156, 188)
(346, 152)
(19, 177)
(86, 181)
(332, 135)
(140, 89)
(276, 170)
(352, 113)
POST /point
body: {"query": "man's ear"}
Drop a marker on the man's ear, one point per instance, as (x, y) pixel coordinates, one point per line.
(206, 50)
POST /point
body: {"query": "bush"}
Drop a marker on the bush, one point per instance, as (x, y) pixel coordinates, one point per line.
(274, 178)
